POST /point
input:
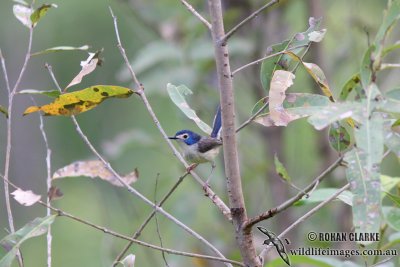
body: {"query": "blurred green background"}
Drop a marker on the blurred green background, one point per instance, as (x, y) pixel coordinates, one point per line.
(166, 43)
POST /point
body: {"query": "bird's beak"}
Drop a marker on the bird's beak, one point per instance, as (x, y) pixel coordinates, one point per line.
(172, 137)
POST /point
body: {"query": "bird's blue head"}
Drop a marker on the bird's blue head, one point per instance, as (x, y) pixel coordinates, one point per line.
(186, 136)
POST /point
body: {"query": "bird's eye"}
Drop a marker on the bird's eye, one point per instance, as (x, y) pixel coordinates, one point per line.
(185, 136)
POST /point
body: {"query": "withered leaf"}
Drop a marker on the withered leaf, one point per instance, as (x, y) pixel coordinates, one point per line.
(88, 66)
(26, 198)
(281, 81)
(93, 169)
(54, 193)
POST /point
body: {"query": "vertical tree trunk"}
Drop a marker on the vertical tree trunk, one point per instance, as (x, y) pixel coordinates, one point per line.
(244, 239)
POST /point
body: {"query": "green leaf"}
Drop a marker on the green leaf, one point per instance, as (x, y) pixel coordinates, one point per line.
(316, 73)
(81, 101)
(260, 103)
(280, 169)
(363, 174)
(335, 112)
(339, 137)
(390, 105)
(352, 84)
(40, 12)
(322, 194)
(282, 62)
(392, 137)
(394, 93)
(299, 105)
(395, 237)
(61, 48)
(394, 198)
(12, 242)
(391, 48)
(4, 111)
(390, 16)
(51, 93)
(388, 182)
(268, 67)
(392, 217)
(366, 68)
(177, 95)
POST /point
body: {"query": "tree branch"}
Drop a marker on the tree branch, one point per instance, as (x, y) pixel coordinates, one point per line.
(304, 217)
(274, 211)
(208, 192)
(49, 237)
(11, 94)
(244, 238)
(196, 14)
(144, 224)
(134, 191)
(266, 57)
(243, 22)
(118, 235)
(249, 120)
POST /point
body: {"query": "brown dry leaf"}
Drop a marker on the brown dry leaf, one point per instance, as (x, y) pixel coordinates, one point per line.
(54, 193)
(88, 66)
(281, 81)
(93, 169)
(26, 198)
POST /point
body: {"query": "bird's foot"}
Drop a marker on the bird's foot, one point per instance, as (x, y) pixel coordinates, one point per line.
(191, 167)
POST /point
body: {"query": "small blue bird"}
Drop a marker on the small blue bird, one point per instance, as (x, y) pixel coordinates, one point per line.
(201, 149)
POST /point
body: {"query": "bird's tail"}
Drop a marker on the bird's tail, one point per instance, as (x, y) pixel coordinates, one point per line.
(217, 123)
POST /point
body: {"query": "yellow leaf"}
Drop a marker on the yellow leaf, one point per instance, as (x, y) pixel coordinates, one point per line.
(80, 101)
(316, 73)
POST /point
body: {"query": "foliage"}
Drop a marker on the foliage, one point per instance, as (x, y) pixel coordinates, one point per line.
(362, 122)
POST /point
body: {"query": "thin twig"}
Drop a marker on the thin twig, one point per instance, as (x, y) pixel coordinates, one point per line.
(134, 191)
(304, 217)
(27, 57)
(3, 65)
(274, 211)
(253, 15)
(140, 91)
(147, 220)
(196, 14)
(385, 66)
(249, 120)
(49, 237)
(156, 221)
(118, 235)
(266, 57)
(9, 134)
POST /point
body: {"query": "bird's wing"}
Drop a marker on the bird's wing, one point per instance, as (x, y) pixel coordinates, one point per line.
(207, 143)
(217, 123)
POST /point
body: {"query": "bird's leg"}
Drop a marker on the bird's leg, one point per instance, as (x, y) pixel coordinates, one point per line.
(209, 176)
